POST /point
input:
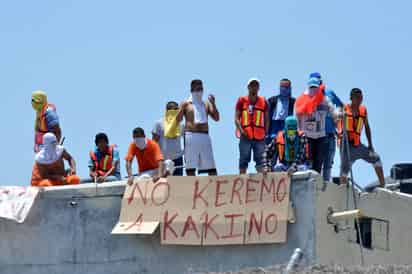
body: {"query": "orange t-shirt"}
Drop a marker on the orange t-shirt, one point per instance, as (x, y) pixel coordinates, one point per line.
(148, 158)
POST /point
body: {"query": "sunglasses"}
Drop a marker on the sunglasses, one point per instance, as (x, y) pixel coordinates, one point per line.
(35, 101)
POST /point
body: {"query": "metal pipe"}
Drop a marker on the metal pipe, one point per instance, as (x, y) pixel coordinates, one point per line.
(345, 215)
(294, 260)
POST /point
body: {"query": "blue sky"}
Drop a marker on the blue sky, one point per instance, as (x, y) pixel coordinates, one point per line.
(112, 65)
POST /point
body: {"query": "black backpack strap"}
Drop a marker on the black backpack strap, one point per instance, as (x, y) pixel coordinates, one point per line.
(291, 106)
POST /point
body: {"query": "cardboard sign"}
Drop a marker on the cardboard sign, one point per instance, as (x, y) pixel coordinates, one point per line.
(141, 207)
(16, 202)
(216, 210)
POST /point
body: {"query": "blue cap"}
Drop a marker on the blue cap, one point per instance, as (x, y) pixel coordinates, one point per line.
(314, 82)
(315, 75)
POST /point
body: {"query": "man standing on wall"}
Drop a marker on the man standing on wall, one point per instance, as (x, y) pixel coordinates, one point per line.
(46, 119)
(198, 144)
(281, 106)
(330, 128)
(312, 108)
(252, 122)
(356, 118)
(168, 134)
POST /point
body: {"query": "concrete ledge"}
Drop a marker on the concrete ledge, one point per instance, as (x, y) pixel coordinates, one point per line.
(68, 231)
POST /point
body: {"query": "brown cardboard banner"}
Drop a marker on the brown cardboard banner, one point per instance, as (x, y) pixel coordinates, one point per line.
(215, 210)
(141, 207)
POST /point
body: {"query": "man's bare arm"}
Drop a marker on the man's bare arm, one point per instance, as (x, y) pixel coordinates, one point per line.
(213, 111)
(237, 122)
(112, 169)
(92, 172)
(368, 133)
(72, 162)
(182, 111)
(155, 137)
(129, 169)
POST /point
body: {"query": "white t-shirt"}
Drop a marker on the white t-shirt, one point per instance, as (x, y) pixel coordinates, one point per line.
(171, 148)
(314, 125)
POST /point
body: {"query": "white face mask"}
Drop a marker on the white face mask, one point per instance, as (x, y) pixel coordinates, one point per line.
(312, 91)
(51, 151)
(197, 96)
(140, 142)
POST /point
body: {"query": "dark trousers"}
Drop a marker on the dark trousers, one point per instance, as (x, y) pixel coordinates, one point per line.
(179, 164)
(318, 152)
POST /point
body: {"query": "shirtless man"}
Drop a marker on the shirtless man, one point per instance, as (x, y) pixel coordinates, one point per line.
(198, 145)
(48, 169)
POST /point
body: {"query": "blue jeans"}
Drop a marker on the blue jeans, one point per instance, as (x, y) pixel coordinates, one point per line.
(282, 167)
(330, 156)
(111, 178)
(245, 150)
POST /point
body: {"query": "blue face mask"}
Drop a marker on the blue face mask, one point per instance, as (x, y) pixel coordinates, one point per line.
(285, 91)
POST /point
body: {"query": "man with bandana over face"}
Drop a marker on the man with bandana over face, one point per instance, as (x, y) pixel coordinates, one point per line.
(312, 109)
(252, 122)
(198, 144)
(289, 147)
(167, 132)
(149, 158)
(331, 129)
(280, 107)
(46, 119)
(48, 169)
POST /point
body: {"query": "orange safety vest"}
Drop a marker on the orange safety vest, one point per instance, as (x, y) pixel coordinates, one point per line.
(280, 144)
(105, 163)
(354, 125)
(253, 123)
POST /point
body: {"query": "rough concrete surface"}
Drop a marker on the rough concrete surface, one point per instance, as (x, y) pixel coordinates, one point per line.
(375, 269)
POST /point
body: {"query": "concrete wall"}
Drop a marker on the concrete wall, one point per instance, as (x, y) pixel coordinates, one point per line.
(393, 207)
(68, 231)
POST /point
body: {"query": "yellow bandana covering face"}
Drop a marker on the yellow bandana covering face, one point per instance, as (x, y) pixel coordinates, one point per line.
(172, 128)
(38, 101)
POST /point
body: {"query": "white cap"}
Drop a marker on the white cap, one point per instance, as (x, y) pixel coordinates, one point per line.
(253, 80)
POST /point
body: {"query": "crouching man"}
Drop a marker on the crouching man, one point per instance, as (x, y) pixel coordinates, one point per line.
(48, 169)
(289, 147)
(104, 163)
(149, 158)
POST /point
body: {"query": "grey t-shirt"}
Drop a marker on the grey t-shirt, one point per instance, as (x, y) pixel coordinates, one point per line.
(171, 148)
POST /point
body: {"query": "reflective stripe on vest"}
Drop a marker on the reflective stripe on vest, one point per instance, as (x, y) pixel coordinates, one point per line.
(258, 122)
(280, 144)
(280, 141)
(354, 125)
(105, 164)
(245, 121)
(253, 123)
